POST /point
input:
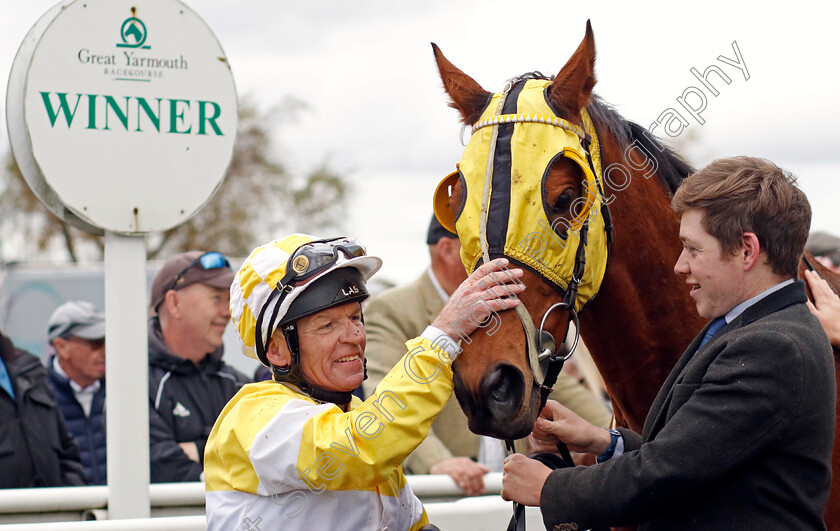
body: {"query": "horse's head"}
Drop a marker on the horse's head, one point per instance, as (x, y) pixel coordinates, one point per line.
(528, 187)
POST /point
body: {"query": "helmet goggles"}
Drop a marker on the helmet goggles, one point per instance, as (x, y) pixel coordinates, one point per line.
(312, 258)
(308, 261)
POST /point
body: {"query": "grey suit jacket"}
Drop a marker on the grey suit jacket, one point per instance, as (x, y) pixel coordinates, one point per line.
(739, 436)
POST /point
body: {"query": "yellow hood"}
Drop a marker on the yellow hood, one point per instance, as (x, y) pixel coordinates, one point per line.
(503, 211)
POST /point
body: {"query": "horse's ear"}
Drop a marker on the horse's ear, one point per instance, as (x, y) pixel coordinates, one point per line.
(468, 97)
(571, 89)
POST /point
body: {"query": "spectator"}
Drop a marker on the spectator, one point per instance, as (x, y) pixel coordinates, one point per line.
(189, 384)
(76, 371)
(826, 249)
(826, 306)
(741, 432)
(36, 450)
(402, 313)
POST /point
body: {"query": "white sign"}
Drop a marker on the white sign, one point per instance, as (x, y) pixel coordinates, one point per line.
(122, 114)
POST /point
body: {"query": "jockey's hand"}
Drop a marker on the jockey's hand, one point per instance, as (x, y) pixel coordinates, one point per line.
(523, 479)
(558, 423)
(490, 289)
(466, 473)
(826, 306)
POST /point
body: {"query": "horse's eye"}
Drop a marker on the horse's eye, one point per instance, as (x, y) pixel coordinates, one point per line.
(564, 201)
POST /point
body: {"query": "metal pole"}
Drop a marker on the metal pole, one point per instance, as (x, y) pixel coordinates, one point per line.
(127, 376)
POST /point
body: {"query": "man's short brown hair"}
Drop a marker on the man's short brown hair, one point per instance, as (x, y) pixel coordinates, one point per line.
(748, 194)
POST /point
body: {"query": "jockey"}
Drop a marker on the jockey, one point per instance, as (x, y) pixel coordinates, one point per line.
(300, 451)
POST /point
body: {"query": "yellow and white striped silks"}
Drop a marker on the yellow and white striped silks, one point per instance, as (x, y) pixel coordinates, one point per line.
(277, 459)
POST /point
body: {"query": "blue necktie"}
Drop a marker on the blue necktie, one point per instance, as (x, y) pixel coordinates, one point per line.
(717, 324)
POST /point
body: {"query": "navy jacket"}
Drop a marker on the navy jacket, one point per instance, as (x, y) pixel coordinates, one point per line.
(184, 401)
(36, 450)
(89, 432)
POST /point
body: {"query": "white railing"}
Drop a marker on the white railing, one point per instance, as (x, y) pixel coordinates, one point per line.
(483, 513)
(19, 508)
(176, 523)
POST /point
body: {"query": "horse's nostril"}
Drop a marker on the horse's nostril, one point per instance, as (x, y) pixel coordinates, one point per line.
(503, 389)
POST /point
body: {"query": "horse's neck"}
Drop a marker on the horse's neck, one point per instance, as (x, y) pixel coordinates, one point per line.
(642, 319)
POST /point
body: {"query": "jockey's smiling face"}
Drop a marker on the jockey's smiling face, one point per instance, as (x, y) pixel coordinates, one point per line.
(332, 348)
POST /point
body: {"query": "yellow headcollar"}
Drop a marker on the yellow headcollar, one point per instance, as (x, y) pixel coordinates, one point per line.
(502, 211)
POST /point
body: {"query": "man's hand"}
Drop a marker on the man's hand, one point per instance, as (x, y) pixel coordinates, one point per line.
(467, 473)
(827, 308)
(491, 288)
(523, 479)
(557, 423)
(190, 449)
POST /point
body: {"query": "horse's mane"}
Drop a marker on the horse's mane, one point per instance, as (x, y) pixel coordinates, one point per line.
(672, 168)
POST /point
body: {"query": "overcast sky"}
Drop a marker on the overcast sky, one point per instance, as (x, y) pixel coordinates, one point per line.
(377, 112)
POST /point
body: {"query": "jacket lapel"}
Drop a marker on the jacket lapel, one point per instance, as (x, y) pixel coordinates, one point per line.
(432, 303)
(656, 415)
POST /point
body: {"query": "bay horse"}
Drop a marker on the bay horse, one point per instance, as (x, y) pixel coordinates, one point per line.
(638, 317)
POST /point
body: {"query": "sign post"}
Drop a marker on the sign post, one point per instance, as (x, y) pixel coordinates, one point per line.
(127, 374)
(122, 118)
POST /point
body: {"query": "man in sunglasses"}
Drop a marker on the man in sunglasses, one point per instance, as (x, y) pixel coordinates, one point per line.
(189, 383)
(300, 451)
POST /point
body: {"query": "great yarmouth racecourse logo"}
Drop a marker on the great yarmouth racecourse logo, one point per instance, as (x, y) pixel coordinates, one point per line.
(133, 33)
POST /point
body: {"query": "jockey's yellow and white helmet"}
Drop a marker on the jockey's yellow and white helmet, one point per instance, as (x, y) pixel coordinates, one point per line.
(292, 277)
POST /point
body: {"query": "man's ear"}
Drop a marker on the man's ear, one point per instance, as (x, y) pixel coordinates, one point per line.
(278, 351)
(750, 250)
(171, 301)
(60, 344)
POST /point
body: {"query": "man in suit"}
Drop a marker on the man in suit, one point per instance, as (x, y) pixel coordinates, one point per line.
(740, 435)
(402, 313)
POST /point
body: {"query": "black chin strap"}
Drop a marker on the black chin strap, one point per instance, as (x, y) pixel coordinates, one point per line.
(335, 397)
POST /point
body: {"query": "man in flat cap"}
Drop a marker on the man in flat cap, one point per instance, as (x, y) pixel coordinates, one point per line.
(189, 384)
(76, 375)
